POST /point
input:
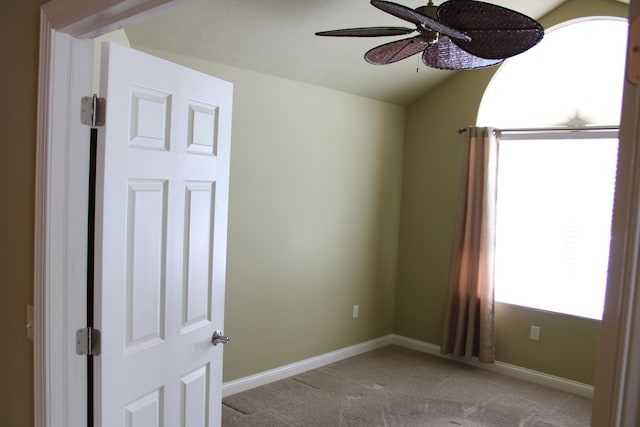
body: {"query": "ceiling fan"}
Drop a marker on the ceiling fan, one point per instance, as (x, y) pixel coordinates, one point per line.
(457, 35)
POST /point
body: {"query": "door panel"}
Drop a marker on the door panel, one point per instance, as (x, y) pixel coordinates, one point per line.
(196, 309)
(162, 195)
(145, 280)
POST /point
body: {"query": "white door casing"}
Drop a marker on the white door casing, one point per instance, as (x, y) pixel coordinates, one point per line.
(161, 219)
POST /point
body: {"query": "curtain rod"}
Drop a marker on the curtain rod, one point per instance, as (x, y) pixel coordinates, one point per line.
(553, 129)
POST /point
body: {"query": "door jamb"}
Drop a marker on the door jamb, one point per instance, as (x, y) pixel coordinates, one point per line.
(617, 375)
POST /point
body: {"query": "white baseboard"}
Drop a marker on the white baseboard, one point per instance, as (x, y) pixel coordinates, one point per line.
(536, 377)
(266, 377)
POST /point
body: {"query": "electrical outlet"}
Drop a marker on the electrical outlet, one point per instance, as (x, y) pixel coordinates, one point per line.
(356, 310)
(534, 333)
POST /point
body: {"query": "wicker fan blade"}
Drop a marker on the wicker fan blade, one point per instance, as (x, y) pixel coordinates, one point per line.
(445, 55)
(496, 32)
(395, 51)
(367, 32)
(419, 19)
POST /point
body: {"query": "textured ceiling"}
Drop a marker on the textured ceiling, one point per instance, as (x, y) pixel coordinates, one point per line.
(276, 37)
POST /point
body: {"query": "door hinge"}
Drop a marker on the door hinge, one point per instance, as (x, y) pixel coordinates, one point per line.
(88, 342)
(633, 54)
(92, 111)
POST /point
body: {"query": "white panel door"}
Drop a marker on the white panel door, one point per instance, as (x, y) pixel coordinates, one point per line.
(161, 220)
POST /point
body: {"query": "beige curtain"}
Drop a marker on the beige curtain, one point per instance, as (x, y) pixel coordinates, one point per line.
(469, 319)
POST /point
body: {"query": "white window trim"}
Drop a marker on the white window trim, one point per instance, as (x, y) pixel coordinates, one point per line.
(587, 132)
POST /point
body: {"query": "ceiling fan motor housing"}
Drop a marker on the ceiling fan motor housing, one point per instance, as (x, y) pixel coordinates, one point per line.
(430, 10)
(428, 35)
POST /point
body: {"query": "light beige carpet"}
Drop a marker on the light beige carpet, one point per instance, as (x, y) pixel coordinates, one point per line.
(395, 386)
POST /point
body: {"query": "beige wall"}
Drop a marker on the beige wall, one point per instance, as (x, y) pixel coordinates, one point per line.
(313, 219)
(19, 30)
(567, 346)
(432, 161)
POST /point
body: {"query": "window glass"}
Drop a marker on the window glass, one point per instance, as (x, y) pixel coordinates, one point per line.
(553, 226)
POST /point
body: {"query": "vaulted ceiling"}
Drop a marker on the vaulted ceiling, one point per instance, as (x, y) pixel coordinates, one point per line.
(277, 37)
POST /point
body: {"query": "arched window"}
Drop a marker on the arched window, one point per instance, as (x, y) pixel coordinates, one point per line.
(574, 76)
(555, 190)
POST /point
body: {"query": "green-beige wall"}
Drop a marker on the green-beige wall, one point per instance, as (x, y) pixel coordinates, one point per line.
(431, 170)
(19, 32)
(313, 215)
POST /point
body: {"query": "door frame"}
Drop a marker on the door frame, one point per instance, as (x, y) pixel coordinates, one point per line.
(59, 391)
(617, 374)
(67, 28)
